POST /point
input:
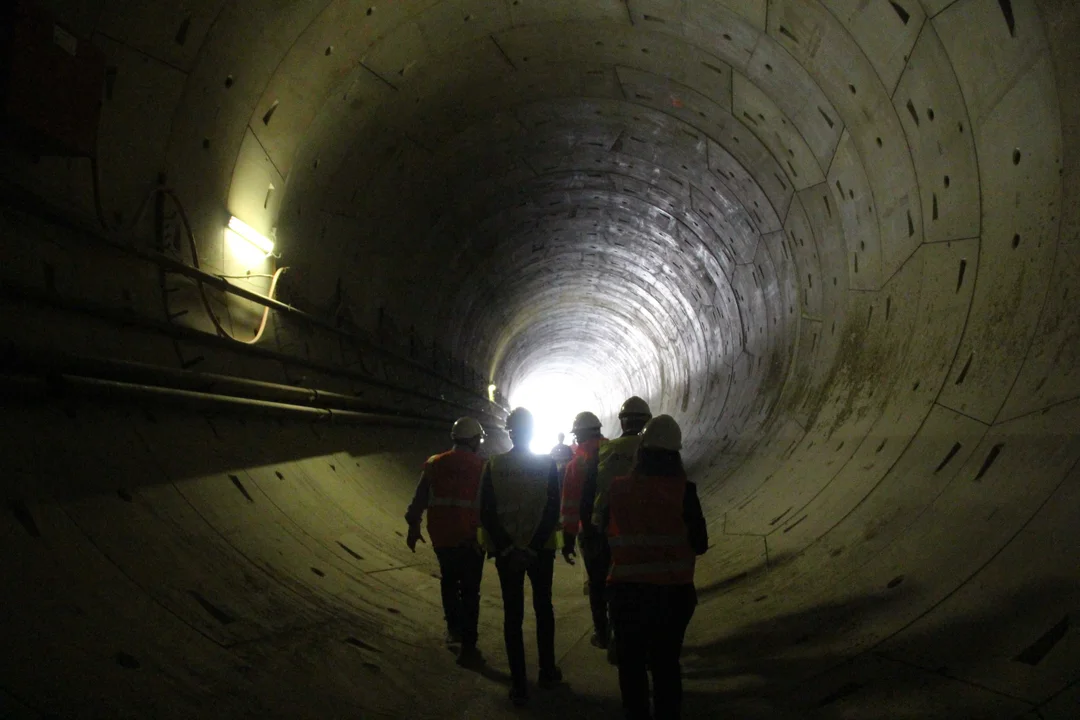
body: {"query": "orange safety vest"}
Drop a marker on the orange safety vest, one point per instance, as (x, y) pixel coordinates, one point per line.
(647, 533)
(453, 497)
(574, 483)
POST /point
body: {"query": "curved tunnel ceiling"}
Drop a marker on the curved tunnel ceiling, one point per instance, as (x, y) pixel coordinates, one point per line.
(835, 239)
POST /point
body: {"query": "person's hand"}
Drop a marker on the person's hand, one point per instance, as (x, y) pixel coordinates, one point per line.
(522, 559)
(569, 551)
(517, 559)
(414, 535)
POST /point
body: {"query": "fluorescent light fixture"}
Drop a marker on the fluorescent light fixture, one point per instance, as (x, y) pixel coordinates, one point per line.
(491, 393)
(250, 234)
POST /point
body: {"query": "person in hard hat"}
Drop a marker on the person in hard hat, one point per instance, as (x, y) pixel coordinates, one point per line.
(561, 454)
(614, 459)
(449, 490)
(579, 471)
(655, 528)
(519, 514)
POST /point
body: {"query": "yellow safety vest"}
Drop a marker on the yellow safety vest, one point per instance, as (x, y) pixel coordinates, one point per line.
(616, 459)
(519, 482)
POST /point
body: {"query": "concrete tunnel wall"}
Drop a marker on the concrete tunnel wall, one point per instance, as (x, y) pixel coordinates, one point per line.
(835, 239)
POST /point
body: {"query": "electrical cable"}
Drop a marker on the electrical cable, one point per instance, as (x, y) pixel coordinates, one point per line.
(194, 250)
(202, 289)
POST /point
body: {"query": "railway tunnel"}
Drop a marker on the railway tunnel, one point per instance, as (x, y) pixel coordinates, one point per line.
(835, 239)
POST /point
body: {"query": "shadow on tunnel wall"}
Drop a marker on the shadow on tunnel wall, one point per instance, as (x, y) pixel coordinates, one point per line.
(811, 662)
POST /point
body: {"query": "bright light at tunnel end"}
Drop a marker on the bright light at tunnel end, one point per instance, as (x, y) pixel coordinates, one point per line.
(554, 398)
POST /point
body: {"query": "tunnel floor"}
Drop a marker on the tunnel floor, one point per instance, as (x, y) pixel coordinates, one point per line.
(246, 568)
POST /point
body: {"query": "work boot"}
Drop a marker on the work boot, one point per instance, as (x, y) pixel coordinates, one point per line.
(612, 655)
(599, 641)
(470, 657)
(550, 678)
(519, 696)
(453, 637)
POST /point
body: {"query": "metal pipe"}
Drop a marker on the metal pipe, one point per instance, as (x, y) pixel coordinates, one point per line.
(214, 281)
(208, 383)
(112, 391)
(126, 319)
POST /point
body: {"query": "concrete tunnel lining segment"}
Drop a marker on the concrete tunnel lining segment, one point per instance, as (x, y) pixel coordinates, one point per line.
(836, 240)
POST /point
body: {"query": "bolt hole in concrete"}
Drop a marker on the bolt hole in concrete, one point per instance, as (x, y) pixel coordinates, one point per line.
(1016, 241)
(22, 514)
(1016, 156)
(895, 581)
(129, 662)
(229, 81)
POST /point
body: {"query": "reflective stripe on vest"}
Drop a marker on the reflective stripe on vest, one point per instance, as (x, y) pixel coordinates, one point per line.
(453, 497)
(634, 572)
(574, 484)
(452, 502)
(648, 540)
(519, 482)
(647, 533)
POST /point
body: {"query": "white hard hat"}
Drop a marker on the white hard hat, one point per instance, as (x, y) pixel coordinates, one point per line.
(662, 433)
(586, 421)
(635, 406)
(466, 428)
(519, 419)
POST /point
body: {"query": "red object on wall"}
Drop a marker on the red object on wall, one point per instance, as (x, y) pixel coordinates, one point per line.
(50, 83)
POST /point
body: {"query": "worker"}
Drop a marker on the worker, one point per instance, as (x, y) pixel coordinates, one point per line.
(581, 472)
(614, 459)
(655, 527)
(449, 490)
(519, 514)
(561, 454)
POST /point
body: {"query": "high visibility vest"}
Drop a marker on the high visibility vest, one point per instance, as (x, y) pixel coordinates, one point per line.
(647, 533)
(519, 481)
(574, 484)
(453, 497)
(616, 459)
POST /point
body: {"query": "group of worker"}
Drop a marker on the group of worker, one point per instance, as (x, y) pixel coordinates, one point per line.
(625, 503)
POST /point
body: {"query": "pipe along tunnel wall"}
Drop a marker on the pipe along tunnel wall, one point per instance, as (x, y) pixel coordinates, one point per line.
(836, 240)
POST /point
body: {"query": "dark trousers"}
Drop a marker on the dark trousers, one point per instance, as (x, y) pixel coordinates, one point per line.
(597, 556)
(650, 623)
(513, 592)
(461, 568)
